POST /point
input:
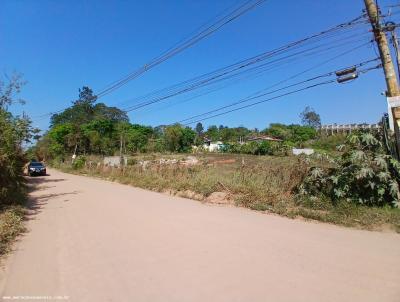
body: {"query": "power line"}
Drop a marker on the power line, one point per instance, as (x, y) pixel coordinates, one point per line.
(319, 64)
(258, 94)
(287, 79)
(256, 59)
(263, 101)
(238, 70)
(180, 46)
(281, 81)
(232, 67)
(239, 65)
(247, 6)
(272, 98)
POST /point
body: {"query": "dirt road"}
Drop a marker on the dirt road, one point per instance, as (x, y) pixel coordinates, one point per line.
(92, 240)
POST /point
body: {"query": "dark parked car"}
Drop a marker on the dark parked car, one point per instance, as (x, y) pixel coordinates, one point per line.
(36, 168)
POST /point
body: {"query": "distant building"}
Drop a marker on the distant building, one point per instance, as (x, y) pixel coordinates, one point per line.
(348, 128)
(212, 146)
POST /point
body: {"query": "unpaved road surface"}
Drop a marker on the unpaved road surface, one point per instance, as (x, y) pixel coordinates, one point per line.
(92, 240)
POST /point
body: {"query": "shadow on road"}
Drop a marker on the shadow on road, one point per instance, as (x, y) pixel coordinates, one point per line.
(34, 181)
(36, 202)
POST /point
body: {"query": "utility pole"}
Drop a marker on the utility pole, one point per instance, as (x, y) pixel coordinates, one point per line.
(391, 26)
(121, 159)
(387, 63)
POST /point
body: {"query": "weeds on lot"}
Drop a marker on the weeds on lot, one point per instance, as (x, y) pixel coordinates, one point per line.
(262, 183)
(11, 225)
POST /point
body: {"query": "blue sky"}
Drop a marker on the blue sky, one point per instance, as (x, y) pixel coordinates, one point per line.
(60, 46)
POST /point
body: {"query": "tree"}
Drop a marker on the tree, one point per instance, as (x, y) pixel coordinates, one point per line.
(212, 133)
(178, 138)
(291, 133)
(14, 132)
(301, 134)
(159, 131)
(60, 140)
(277, 130)
(137, 137)
(114, 114)
(99, 136)
(81, 111)
(86, 97)
(199, 129)
(310, 118)
(93, 125)
(10, 90)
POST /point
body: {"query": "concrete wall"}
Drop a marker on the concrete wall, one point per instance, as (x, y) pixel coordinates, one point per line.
(114, 161)
(305, 151)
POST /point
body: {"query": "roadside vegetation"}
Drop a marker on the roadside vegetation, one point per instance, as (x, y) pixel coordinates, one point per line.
(263, 183)
(349, 180)
(88, 127)
(14, 132)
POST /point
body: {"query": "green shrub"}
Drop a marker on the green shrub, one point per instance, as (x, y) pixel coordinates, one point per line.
(328, 143)
(363, 174)
(294, 133)
(12, 160)
(132, 161)
(79, 162)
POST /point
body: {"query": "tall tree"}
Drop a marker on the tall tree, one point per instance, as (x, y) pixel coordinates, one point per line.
(213, 133)
(178, 138)
(81, 111)
(310, 118)
(114, 114)
(10, 89)
(199, 128)
(86, 96)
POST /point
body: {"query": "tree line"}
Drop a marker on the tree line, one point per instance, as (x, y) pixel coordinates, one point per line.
(15, 133)
(90, 127)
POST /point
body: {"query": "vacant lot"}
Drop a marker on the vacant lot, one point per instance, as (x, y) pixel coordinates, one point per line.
(263, 183)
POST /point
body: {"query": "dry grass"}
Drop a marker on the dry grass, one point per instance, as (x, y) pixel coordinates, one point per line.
(263, 183)
(11, 225)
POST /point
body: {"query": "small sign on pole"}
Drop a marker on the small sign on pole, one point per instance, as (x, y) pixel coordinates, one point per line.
(393, 102)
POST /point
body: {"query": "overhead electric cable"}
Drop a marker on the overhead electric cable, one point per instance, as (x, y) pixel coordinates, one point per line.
(275, 84)
(181, 46)
(238, 65)
(244, 8)
(271, 92)
(280, 50)
(263, 101)
(238, 70)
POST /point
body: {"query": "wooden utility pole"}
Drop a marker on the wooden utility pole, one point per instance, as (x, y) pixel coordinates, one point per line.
(387, 63)
(383, 46)
(121, 159)
(395, 43)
